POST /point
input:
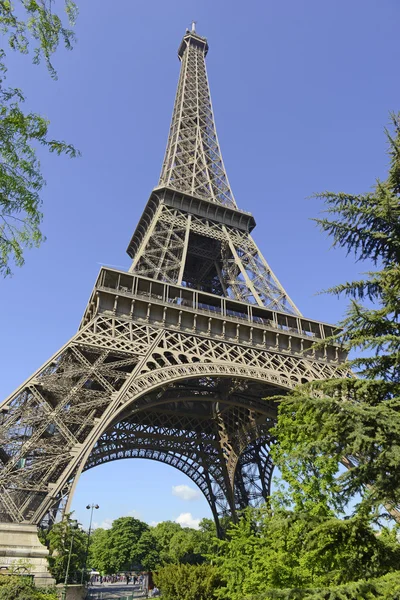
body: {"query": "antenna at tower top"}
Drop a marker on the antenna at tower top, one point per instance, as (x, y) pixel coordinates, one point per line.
(194, 26)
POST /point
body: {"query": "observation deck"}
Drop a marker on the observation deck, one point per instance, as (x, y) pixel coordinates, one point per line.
(144, 300)
(191, 37)
(194, 205)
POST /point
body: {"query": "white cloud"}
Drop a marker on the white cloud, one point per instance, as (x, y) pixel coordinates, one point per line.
(184, 492)
(154, 523)
(134, 513)
(106, 524)
(187, 520)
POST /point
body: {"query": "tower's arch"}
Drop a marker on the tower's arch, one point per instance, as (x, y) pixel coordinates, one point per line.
(214, 428)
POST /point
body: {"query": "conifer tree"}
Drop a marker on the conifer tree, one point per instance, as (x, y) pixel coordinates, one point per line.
(354, 421)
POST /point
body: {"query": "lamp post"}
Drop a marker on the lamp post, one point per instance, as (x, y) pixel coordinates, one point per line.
(89, 507)
(64, 591)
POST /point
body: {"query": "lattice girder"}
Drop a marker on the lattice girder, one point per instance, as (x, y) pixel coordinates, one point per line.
(190, 453)
(190, 440)
(184, 211)
(187, 249)
(193, 161)
(118, 367)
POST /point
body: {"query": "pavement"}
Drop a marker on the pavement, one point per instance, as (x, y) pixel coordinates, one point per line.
(112, 591)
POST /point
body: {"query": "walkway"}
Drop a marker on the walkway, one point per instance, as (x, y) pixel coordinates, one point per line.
(112, 591)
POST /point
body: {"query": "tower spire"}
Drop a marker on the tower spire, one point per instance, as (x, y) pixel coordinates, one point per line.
(193, 162)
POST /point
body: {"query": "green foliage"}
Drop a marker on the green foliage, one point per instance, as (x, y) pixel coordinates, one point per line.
(298, 548)
(22, 588)
(208, 527)
(147, 551)
(123, 538)
(189, 546)
(384, 588)
(348, 420)
(99, 550)
(36, 22)
(164, 532)
(21, 181)
(128, 543)
(274, 548)
(187, 582)
(58, 539)
(182, 544)
(132, 542)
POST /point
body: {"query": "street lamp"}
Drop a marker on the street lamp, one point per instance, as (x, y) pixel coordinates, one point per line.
(74, 528)
(89, 507)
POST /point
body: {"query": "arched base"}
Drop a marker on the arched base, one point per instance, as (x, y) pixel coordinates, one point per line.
(210, 429)
(195, 401)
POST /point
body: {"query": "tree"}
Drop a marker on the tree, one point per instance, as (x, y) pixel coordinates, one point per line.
(65, 537)
(178, 544)
(189, 546)
(208, 527)
(282, 549)
(147, 551)
(164, 532)
(34, 27)
(383, 588)
(298, 547)
(128, 544)
(99, 550)
(355, 421)
(123, 539)
(187, 582)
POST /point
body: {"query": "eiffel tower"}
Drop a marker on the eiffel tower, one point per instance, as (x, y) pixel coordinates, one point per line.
(173, 359)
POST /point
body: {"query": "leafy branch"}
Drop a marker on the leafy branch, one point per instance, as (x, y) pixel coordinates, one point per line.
(35, 29)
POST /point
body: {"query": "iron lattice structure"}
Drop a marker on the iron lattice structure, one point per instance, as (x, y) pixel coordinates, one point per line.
(173, 360)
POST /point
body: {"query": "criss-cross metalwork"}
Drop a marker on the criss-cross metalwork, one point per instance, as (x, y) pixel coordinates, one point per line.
(173, 360)
(191, 231)
(193, 162)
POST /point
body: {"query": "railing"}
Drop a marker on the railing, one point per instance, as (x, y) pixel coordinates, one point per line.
(196, 300)
(213, 310)
(114, 591)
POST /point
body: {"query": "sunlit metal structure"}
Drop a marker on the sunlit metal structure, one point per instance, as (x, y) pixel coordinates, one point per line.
(173, 360)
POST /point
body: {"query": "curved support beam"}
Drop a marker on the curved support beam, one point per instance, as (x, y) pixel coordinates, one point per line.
(253, 475)
(114, 367)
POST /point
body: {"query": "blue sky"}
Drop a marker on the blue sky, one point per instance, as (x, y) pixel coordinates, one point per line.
(301, 93)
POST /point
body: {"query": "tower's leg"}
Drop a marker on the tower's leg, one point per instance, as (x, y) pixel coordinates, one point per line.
(254, 475)
(212, 497)
(21, 551)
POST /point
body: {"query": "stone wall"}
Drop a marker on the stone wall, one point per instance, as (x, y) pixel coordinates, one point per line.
(74, 592)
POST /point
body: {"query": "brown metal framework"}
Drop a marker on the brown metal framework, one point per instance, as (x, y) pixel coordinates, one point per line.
(172, 360)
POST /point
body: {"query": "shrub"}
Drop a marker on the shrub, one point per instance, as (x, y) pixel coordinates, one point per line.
(383, 588)
(187, 582)
(22, 588)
